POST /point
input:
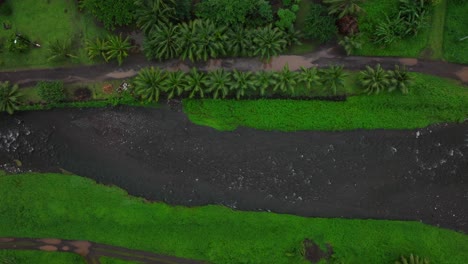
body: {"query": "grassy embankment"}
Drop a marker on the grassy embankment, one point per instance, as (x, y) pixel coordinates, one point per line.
(431, 100)
(71, 207)
(455, 49)
(45, 22)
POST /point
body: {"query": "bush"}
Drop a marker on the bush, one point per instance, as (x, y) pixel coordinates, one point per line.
(286, 18)
(82, 94)
(5, 9)
(319, 25)
(110, 12)
(18, 44)
(51, 92)
(183, 10)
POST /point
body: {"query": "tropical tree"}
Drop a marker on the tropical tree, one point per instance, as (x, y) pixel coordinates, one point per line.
(9, 97)
(162, 42)
(343, 7)
(399, 79)
(264, 80)
(196, 83)
(268, 42)
(188, 40)
(210, 40)
(374, 80)
(292, 36)
(149, 83)
(350, 43)
(240, 42)
(60, 50)
(218, 83)
(310, 77)
(286, 80)
(242, 83)
(96, 48)
(150, 13)
(333, 78)
(117, 48)
(175, 84)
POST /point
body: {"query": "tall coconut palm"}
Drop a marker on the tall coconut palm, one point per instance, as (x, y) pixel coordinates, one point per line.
(9, 97)
(333, 78)
(242, 83)
(188, 41)
(218, 83)
(149, 83)
(286, 81)
(399, 79)
(117, 48)
(196, 83)
(263, 81)
(268, 42)
(374, 80)
(175, 84)
(343, 7)
(240, 41)
(162, 43)
(150, 13)
(96, 48)
(310, 77)
(60, 50)
(210, 40)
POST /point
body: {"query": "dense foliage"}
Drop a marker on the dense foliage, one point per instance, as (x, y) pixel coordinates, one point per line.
(51, 92)
(18, 43)
(152, 13)
(113, 47)
(9, 97)
(319, 25)
(110, 12)
(378, 80)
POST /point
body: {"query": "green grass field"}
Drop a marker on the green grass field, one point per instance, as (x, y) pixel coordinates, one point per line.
(455, 29)
(107, 260)
(431, 100)
(72, 207)
(39, 257)
(44, 22)
(374, 12)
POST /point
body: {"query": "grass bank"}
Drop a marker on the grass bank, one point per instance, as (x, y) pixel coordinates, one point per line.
(39, 257)
(45, 22)
(72, 207)
(455, 49)
(431, 100)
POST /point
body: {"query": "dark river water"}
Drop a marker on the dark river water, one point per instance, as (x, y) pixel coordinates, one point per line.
(158, 154)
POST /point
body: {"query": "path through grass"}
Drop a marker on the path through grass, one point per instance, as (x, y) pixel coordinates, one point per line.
(71, 207)
(436, 36)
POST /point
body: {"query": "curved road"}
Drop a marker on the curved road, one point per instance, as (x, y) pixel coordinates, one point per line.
(322, 58)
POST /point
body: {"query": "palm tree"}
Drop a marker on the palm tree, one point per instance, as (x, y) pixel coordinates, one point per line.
(264, 80)
(343, 7)
(219, 83)
(196, 83)
(286, 80)
(240, 42)
(399, 79)
(60, 50)
(374, 80)
(162, 43)
(149, 83)
(309, 76)
(292, 36)
(96, 48)
(268, 42)
(350, 44)
(117, 48)
(188, 41)
(9, 97)
(333, 78)
(175, 84)
(210, 40)
(242, 83)
(150, 13)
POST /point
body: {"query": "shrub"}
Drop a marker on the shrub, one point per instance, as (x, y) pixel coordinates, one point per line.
(110, 12)
(183, 10)
(51, 92)
(319, 24)
(82, 94)
(19, 43)
(108, 88)
(9, 97)
(286, 18)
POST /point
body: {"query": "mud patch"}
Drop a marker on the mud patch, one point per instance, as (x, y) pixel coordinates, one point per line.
(122, 74)
(48, 248)
(82, 247)
(463, 74)
(294, 62)
(408, 61)
(313, 253)
(52, 241)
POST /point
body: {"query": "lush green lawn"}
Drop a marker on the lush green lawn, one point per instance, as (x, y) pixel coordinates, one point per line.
(71, 207)
(455, 29)
(106, 260)
(436, 36)
(374, 12)
(431, 100)
(38, 257)
(44, 22)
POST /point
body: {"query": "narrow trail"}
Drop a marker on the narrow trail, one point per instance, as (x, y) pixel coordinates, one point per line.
(90, 251)
(321, 58)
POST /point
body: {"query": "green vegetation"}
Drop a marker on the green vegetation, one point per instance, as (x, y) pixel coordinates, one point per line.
(51, 92)
(456, 34)
(319, 25)
(45, 22)
(430, 100)
(436, 37)
(212, 233)
(112, 47)
(412, 260)
(107, 260)
(110, 12)
(38, 257)
(9, 97)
